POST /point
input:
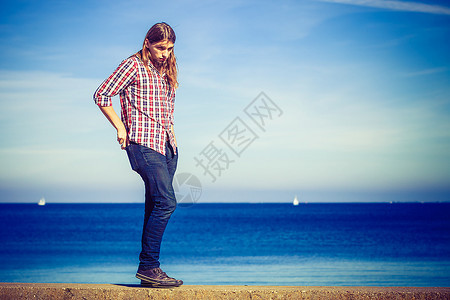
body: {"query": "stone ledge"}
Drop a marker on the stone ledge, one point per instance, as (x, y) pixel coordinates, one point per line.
(116, 291)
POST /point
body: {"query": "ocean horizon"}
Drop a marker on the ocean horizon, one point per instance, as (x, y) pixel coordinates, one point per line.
(313, 244)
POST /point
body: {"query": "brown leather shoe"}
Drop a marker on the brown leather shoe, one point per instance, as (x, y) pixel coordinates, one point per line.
(157, 278)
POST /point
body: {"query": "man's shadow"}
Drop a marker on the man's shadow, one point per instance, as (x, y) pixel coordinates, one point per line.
(145, 286)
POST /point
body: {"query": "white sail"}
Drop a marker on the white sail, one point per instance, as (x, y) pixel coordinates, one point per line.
(41, 202)
(295, 202)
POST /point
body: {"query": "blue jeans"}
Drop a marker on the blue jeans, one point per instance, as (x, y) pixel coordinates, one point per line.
(157, 171)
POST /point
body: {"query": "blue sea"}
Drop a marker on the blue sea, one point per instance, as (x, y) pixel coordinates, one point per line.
(345, 244)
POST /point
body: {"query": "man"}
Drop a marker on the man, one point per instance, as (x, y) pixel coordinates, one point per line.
(146, 83)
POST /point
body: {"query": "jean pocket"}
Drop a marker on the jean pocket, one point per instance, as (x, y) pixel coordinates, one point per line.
(132, 157)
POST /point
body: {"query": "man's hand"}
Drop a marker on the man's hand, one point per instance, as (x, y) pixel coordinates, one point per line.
(111, 115)
(122, 138)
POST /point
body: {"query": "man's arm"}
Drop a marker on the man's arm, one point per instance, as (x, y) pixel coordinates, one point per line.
(114, 119)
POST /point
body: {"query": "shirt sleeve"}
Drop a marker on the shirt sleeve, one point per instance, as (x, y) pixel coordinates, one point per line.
(124, 75)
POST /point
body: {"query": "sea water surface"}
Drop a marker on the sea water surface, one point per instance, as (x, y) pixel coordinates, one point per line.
(353, 244)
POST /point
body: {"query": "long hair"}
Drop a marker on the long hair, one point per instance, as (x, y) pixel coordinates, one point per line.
(158, 32)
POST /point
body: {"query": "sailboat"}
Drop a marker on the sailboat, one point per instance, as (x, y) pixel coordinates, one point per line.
(41, 202)
(295, 202)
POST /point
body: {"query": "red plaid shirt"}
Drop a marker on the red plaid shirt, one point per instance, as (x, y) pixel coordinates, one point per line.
(147, 102)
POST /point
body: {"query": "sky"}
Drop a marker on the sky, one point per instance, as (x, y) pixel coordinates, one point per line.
(330, 100)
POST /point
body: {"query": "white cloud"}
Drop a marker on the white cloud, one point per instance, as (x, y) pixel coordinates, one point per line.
(425, 72)
(53, 134)
(45, 108)
(397, 5)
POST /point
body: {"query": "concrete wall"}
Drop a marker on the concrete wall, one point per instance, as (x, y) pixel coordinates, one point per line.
(111, 291)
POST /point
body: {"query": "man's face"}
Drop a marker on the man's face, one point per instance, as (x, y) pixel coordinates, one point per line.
(159, 51)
